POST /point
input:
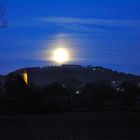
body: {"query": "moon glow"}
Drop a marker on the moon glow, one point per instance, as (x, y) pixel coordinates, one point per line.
(60, 55)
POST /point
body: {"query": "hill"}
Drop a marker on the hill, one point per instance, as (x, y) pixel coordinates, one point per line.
(2, 79)
(46, 75)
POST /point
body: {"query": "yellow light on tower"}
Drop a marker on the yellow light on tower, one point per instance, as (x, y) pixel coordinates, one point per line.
(25, 76)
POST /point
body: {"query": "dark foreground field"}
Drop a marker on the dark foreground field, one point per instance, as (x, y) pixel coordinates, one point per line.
(72, 126)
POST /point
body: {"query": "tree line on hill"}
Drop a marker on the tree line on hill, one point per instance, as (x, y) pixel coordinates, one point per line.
(18, 98)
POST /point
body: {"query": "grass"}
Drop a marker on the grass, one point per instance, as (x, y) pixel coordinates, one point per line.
(71, 126)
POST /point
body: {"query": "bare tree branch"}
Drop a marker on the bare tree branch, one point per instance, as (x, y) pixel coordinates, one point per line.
(3, 17)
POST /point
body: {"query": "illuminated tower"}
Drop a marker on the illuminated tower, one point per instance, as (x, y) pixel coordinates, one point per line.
(25, 76)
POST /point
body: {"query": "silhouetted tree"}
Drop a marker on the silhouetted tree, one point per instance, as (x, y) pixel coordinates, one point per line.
(17, 92)
(129, 91)
(55, 99)
(15, 85)
(98, 93)
(0, 87)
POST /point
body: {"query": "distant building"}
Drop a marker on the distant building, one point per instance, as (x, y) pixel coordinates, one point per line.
(25, 76)
(71, 66)
(117, 85)
(94, 69)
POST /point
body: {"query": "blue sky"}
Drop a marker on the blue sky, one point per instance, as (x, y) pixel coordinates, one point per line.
(99, 32)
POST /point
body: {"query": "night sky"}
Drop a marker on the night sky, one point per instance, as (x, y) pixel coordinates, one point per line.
(98, 32)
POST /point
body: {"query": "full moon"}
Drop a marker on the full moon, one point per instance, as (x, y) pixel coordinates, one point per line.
(60, 55)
